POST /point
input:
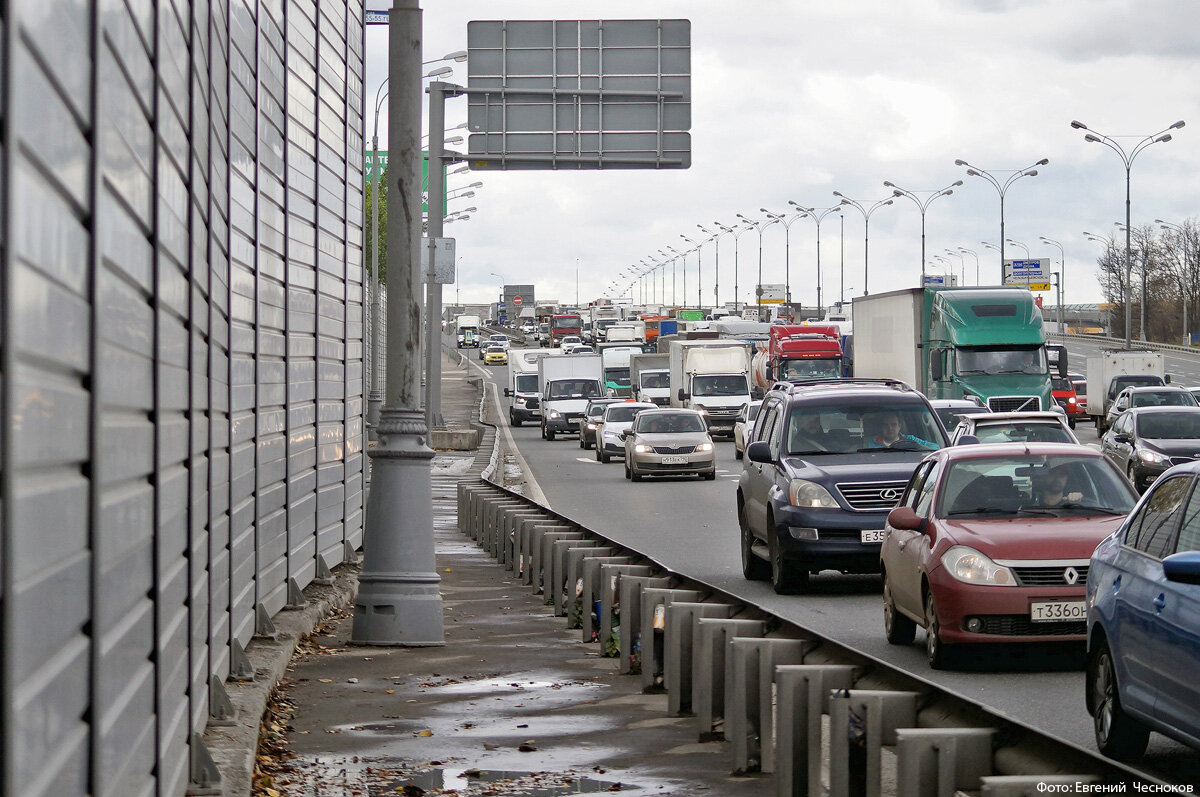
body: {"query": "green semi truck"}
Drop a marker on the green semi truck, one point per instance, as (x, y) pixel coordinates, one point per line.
(982, 342)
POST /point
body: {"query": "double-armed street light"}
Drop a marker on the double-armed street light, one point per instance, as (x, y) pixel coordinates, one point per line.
(818, 215)
(715, 237)
(922, 205)
(1018, 243)
(1002, 189)
(1161, 137)
(787, 259)
(975, 255)
(962, 263)
(760, 226)
(699, 282)
(738, 230)
(867, 212)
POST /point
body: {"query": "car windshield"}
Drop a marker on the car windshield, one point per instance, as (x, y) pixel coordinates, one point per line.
(725, 385)
(621, 413)
(596, 410)
(497, 338)
(950, 416)
(617, 376)
(527, 383)
(656, 380)
(1169, 425)
(1033, 485)
(670, 423)
(1080, 389)
(1061, 383)
(1001, 360)
(567, 322)
(848, 426)
(574, 388)
(495, 350)
(795, 370)
(1162, 398)
(1022, 432)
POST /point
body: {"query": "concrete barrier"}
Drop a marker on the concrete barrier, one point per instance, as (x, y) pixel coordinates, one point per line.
(589, 596)
(570, 597)
(802, 698)
(542, 546)
(749, 698)
(861, 723)
(554, 584)
(454, 439)
(940, 761)
(611, 616)
(709, 665)
(653, 627)
(679, 641)
(629, 595)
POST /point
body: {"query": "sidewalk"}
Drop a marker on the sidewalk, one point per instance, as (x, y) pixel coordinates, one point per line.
(513, 704)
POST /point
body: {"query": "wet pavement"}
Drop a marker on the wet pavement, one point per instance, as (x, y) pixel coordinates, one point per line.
(513, 704)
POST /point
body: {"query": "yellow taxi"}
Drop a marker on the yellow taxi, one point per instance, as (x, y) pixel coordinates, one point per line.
(495, 355)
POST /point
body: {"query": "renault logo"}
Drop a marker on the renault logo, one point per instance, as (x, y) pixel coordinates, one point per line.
(889, 494)
(1071, 575)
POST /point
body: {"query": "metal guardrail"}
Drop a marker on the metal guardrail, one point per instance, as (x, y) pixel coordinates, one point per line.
(1120, 343)
(761, 682)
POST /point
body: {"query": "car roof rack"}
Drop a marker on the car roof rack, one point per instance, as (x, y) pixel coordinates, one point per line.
(834, 383)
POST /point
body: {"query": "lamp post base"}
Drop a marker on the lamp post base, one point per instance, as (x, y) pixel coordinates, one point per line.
(399, 601)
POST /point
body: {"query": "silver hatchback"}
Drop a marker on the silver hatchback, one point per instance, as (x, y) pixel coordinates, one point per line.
(669, 442)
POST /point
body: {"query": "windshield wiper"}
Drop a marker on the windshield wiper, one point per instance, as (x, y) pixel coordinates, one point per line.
(983, 510)
(810, 452)
(1104, 510)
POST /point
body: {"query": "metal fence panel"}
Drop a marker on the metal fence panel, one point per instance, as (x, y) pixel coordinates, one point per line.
(180, 362)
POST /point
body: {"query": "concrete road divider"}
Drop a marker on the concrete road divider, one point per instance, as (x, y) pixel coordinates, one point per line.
(611, 617)
(749, 698)
(629, 592)
(803, 692)
(591, 616)
(940, 761)
(572, 594)
(709, 665)
(655, 602)
(679, 639)
(861, 723)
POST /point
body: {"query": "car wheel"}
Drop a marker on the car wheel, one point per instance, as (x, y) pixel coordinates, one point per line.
(754, 568)
(899, 629)
(628, 474)
(1132, 477)
(1071, 422)
(935, 650)
(514, 421)
(634, 475)
(709, 476)
(786, 577)
(1118, 735)
(582, 442)
(737, 452)
(600, 455)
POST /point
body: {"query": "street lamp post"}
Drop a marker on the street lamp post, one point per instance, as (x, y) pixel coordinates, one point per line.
(1062, 280)
(1161, 136)
(962, 263)
(818, 215)
(866, 228)
(975, 255)
(716, 239)
(1018, 243)
(787, 248)
(1002, 189)
(738, 230)
(923, 205)
(1184, 281)
(699, 291)
(1109, 248)
(758, 290)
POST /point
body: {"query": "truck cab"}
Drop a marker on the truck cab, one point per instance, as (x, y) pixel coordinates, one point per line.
(712, 377)
(565, 385)
(523, 385)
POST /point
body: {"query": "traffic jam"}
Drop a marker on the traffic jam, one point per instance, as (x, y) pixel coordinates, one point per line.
(930, 439)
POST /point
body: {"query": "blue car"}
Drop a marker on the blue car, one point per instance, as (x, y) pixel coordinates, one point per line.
(1143, 614)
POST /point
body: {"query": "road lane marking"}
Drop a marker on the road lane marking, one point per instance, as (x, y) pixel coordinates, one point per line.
(586, 460)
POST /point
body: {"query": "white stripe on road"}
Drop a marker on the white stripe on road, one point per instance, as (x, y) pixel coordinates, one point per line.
(588, 461)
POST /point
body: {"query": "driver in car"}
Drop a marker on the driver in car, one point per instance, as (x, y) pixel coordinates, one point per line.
(889, 427)
(1052, 490)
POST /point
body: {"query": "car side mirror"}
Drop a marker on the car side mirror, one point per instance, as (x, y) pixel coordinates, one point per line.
(905, 518)
(1167, 379)
(683, 395)
(1121, 437)
(759, 451)
(1062, 364)
(623, 435)
(935, 364)
(508, 391)
(1182, 568)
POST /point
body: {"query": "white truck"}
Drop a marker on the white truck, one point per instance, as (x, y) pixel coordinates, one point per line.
(626, 331)
(650, 378)
(565, 384)
(1113, 370)
(467, 331)
(601, 319)
(712, 376)
(523, 385)
(615, 360)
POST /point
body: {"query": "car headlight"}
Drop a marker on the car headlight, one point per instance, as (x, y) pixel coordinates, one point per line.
(611, 435)
(1153, 457)
(642, 448)
(592, 426)
(972, 567)
(1070, 399)
(806, 493)
(520, 402)
(704, 447)
(553, 414)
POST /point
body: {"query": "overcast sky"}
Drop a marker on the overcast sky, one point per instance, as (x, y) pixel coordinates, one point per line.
(795, 100)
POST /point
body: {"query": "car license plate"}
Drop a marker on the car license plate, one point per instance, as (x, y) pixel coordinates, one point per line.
(872, 535)
(1057, 610)
(675, 459)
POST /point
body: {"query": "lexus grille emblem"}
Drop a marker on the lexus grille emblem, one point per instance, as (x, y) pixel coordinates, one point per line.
(889, 494)
(1071, 575)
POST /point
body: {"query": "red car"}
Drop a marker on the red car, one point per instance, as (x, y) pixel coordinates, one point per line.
(991, 543)
(1063, 391)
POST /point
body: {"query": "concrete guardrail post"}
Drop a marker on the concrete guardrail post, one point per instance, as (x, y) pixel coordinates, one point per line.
(554, 587)
(591, 617)
(679, 640)
(611, 620)
(872, 718)
(629, 596)
(940, 761)
(572, 596)
(749, 696)
(508, 540)
(653, 627)
(709, 664)
(542, 556)
(530, 538)
(802, 698)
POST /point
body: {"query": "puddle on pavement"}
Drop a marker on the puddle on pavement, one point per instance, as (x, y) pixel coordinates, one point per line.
(524, 784)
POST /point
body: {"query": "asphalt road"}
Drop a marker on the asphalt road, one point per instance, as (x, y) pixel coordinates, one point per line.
(691, 526)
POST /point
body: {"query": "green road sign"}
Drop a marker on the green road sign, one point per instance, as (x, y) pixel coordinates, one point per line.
(383, 162)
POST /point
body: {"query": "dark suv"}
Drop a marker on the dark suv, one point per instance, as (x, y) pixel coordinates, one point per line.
(824, 464)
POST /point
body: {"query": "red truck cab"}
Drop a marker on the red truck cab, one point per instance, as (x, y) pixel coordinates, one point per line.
(1063, 390)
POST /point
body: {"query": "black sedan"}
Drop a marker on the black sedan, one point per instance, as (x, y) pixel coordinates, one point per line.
(1145, 441)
